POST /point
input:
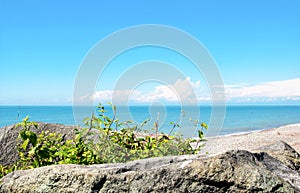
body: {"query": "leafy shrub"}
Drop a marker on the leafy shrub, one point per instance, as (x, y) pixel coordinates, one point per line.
(103, 140)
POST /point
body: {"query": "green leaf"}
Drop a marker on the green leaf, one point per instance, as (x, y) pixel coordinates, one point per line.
(200, 134)
(204, 125)
(35, 124)
(25, 144)
(26, 119)
(87, 121)
(32, 137)
(44, 153)
(31, 151)
(23, 135)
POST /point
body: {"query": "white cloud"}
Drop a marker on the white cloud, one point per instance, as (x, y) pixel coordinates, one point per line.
(181, 91)
(186, 89)
(285, 90)
(162, 92)
(116, 96)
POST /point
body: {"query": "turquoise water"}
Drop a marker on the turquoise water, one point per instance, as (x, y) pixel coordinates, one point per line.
(238, 118)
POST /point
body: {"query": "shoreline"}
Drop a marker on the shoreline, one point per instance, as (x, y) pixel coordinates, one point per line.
(253, 140)
(252, 131)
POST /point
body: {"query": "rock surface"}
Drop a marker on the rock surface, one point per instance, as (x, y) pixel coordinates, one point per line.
(274, 169)
(8, 139)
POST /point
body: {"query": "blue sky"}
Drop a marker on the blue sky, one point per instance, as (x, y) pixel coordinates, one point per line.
(256, 45)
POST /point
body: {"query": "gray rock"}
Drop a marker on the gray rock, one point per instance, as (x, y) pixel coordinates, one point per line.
(284, 153)
(8, 139)
(233, 171)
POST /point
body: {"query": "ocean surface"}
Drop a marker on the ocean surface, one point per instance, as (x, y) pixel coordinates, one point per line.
(238, 119)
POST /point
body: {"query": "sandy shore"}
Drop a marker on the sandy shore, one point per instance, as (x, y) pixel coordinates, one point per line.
(253, 140)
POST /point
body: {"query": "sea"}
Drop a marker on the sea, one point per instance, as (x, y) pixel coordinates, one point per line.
(237, 118)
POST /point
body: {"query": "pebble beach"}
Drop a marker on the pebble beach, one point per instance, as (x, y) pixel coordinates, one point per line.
(253, 140)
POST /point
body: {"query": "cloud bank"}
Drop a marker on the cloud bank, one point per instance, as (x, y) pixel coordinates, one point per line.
(182, 91)
(285, 90)
(189, 92)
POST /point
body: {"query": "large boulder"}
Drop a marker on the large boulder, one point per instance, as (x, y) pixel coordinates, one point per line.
(9, 135)
(233, 171)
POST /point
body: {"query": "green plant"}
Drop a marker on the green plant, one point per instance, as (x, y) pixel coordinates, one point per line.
(128, 144)
(203, 126)
(51, 148)
(6, 170)
(102, 140)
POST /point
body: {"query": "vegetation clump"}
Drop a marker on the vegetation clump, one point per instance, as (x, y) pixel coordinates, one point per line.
(102, 140)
